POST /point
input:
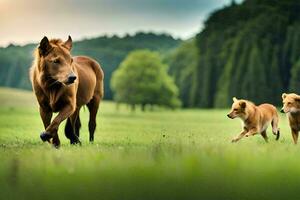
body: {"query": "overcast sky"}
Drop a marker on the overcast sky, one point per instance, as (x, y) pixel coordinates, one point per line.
(23, 21)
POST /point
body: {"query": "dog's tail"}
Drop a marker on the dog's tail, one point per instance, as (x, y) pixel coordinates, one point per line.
(278, 134)
(275, 129)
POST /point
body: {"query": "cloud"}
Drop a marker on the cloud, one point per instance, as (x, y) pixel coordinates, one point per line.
(28, 20)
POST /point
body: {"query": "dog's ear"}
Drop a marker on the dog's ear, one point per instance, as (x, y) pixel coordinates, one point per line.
(234, 99)
(297, 99)
(69, 43)
(243, 104)
(283, 95)
(44, 47)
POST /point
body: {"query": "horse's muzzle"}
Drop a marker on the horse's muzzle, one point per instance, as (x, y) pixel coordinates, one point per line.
(71, 79)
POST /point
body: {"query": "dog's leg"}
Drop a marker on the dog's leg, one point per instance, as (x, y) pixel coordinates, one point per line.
(295, 135)
(240, 136)
(251, 132)
(264, 135)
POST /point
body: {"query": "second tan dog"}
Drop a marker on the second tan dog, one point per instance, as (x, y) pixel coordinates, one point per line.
(256, 119)
(291, 106)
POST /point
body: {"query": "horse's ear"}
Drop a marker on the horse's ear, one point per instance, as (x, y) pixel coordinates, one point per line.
(44, 47)
(68, 43)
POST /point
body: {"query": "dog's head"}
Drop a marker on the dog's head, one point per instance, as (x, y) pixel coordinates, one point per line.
(238, 108)
(56, 61)
(291, 103)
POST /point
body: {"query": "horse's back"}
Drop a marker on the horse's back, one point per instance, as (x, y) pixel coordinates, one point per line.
(90, 79)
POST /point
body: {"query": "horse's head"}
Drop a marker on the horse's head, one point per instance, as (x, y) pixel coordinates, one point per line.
(56, 62)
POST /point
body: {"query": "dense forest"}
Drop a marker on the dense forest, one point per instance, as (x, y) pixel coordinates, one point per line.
(249, 50)
(108, 51)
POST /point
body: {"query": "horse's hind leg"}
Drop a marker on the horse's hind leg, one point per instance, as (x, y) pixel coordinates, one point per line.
(68, 129)
(72, 127)
(93, 106)
(77, 126)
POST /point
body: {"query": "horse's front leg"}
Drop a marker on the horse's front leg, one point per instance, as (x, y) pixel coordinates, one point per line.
(46, 115)
(51, 130)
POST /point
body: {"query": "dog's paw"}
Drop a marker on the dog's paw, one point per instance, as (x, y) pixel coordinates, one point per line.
(234, 140)
(45, 136)
(247, 135)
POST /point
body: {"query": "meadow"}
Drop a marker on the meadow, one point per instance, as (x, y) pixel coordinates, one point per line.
(163, 154)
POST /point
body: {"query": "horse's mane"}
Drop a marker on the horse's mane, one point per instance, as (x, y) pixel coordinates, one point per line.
(37, 56)
(56, 41)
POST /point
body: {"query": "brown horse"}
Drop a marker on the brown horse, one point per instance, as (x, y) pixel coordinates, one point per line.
(64, 84)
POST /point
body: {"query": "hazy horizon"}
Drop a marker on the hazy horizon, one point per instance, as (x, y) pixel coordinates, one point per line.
(28, 21)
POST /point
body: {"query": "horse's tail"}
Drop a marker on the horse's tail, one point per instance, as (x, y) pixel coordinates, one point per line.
(102, 84)
(99, 77)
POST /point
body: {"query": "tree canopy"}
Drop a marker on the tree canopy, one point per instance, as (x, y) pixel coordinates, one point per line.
(142, 79)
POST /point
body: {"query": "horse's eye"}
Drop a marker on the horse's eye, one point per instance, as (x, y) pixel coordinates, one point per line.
(56, 61)
(235, 109)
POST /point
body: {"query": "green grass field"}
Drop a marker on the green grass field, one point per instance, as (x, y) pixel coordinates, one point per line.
(182, 154)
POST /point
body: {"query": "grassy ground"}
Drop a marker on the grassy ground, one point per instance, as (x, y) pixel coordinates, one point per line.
(183, 154)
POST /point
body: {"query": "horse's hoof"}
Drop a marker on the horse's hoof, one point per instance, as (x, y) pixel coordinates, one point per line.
(74, 142)
(56, 146)
(45, 137)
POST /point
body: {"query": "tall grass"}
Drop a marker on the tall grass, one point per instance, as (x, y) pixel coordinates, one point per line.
(182, 154)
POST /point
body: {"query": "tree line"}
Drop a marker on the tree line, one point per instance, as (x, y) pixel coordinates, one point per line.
(249, 50)
(15, 60)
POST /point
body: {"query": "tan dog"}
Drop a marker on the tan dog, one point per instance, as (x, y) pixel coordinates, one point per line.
(291, 106)
(256, 119)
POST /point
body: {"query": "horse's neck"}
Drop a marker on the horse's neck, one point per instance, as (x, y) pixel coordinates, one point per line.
(51, 89)
(54, 95)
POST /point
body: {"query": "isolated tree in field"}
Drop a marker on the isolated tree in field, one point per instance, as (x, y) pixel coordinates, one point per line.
(142, 79)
